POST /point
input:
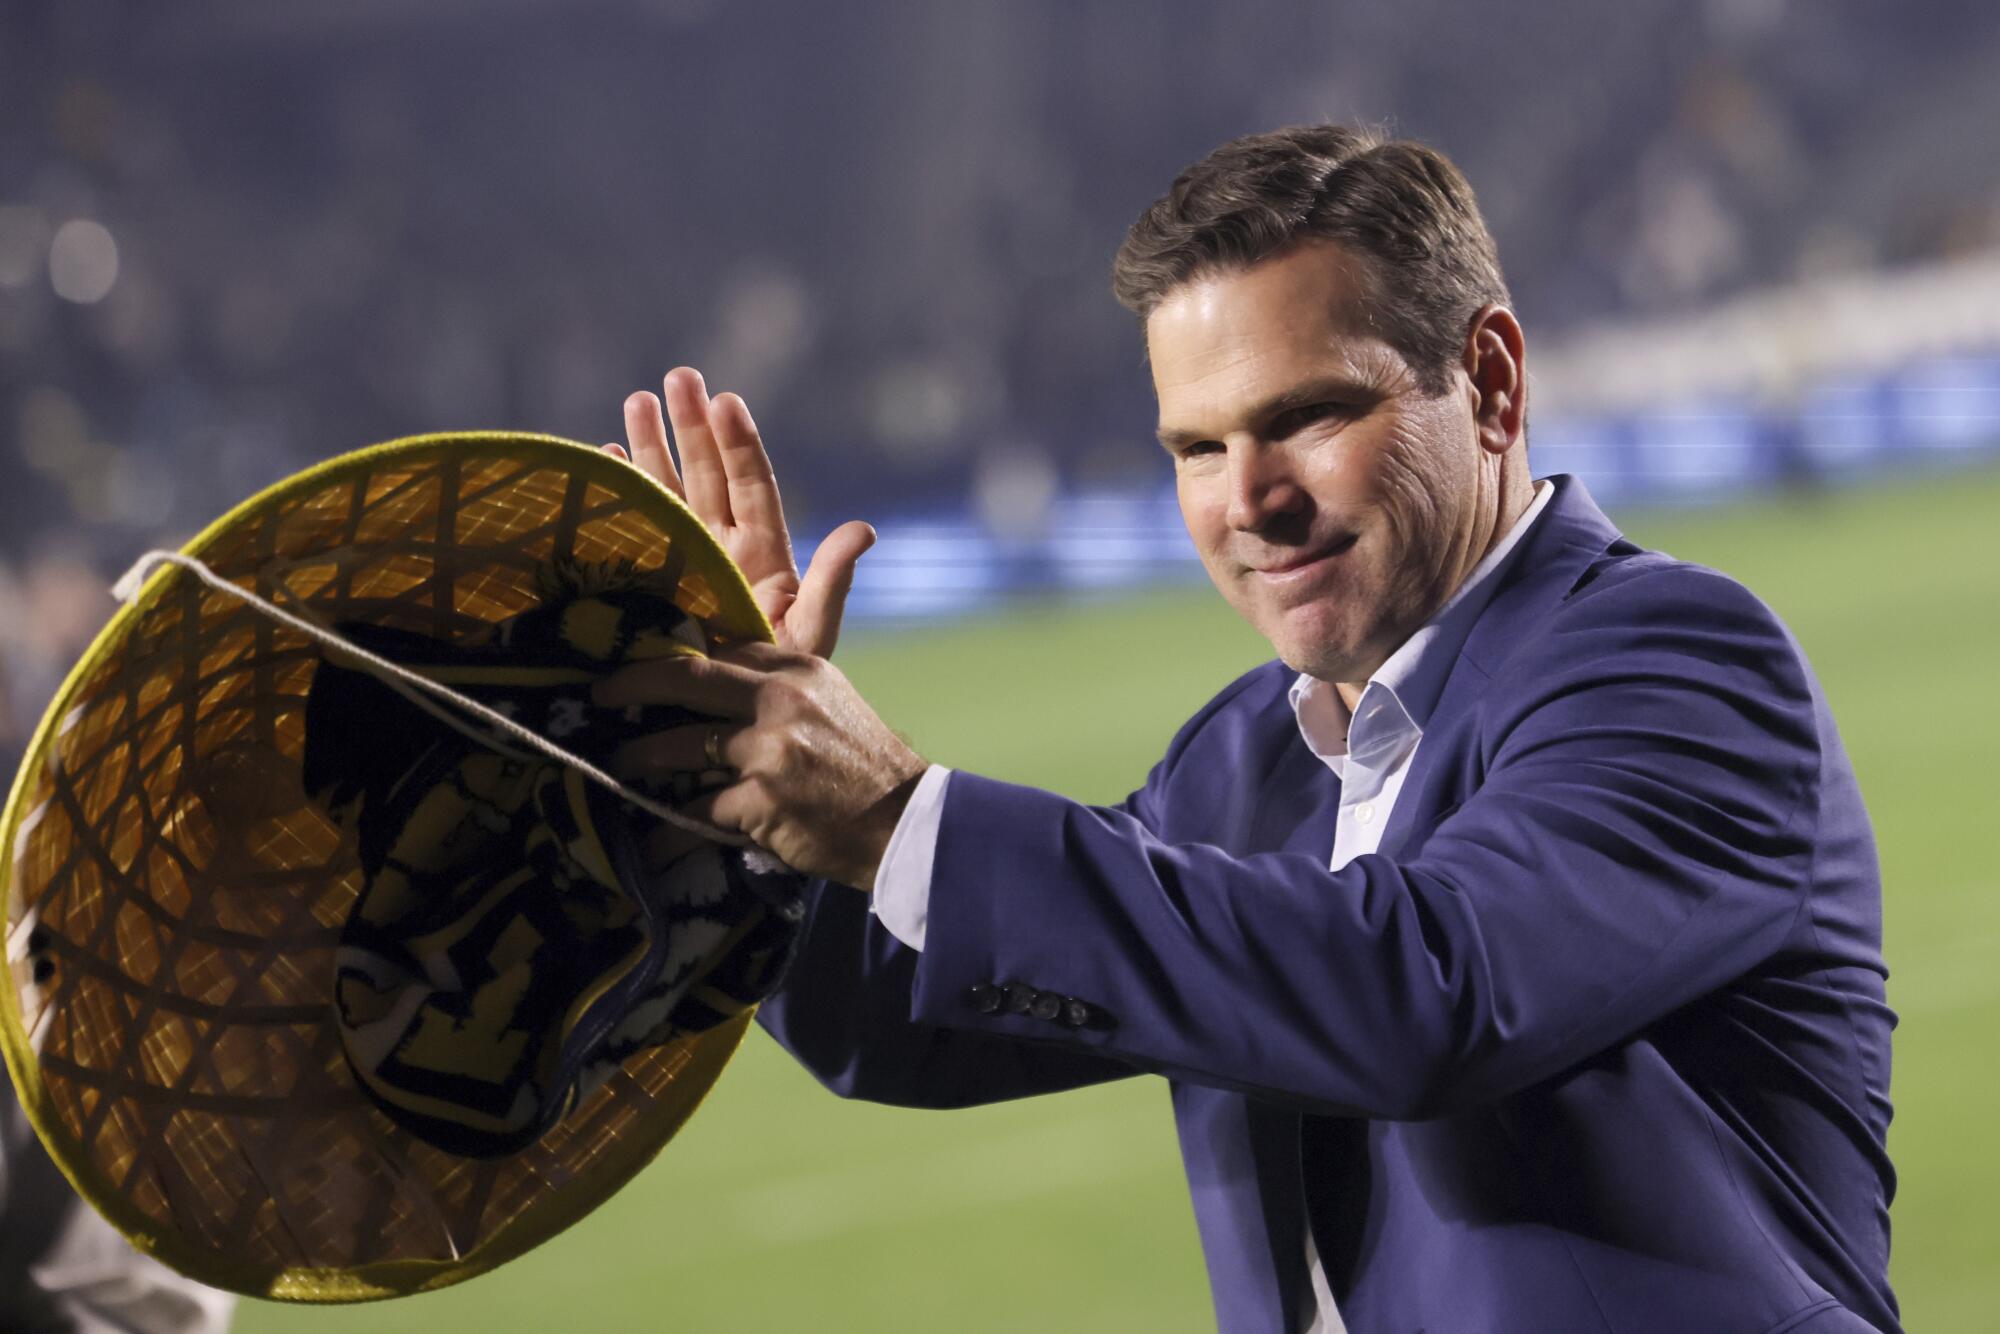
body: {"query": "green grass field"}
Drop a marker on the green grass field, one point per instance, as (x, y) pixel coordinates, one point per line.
(782, 1208)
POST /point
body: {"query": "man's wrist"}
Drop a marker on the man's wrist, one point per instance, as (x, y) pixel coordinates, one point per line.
(902, 888)
(886, 817)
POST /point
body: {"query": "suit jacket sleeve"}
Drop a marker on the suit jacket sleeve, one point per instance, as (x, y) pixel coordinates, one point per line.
(844, 1011)
(844, 1014)
(1638, 832)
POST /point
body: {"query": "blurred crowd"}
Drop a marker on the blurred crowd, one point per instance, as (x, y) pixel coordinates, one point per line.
(238, 237)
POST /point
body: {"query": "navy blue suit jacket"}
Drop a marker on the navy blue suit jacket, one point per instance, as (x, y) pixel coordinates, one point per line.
(1595, 1042)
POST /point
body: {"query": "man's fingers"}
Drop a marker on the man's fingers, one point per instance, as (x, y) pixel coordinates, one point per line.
(616, 450)
(646, 432)
(701, 466)
(677, 750)
(705, 685)
(813, 622)
(740, 806)
(732, 807)
(753, 487)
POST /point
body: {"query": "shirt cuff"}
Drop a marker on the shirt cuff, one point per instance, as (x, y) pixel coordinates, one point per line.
(902, 897)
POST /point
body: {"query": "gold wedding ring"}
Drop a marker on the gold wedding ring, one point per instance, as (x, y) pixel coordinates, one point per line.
(712, 749)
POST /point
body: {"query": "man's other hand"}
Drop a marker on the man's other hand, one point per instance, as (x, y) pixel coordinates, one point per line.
(816, 777)
(725, 477)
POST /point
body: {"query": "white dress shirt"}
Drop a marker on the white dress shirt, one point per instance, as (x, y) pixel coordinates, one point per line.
(1369, 751)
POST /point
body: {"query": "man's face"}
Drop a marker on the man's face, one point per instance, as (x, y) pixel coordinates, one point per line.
(1331, 498)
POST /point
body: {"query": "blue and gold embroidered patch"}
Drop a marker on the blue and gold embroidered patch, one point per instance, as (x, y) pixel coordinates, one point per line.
(510, 946)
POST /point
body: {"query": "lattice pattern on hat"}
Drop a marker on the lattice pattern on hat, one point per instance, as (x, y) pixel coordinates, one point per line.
(181, 898)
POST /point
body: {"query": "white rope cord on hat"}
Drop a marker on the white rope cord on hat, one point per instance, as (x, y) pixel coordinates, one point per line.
(409, 684)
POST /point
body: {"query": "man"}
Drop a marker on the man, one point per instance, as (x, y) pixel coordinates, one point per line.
(1511, 943)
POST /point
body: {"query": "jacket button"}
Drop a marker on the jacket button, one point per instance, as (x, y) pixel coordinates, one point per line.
(1075, 1014)
(1019, 997)
(985, 997)
(1047, 1005)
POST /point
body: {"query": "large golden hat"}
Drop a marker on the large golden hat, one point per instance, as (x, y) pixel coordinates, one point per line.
(175, 899)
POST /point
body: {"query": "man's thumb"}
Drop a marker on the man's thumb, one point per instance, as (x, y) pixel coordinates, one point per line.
(813, 621)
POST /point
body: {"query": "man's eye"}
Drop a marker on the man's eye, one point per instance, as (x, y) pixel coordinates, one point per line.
(1200, 448)
(1300, 418)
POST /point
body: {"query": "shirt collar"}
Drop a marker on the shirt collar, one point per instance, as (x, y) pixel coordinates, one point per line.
(1396, 703)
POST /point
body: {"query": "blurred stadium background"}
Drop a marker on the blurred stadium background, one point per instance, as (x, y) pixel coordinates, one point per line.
(1756, 245)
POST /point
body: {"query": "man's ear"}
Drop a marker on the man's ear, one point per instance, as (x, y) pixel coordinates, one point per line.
(1496, 365)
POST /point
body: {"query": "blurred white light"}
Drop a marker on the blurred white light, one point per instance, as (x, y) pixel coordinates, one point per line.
(1739, 22)
(1013, 490)
(83, 261)
(916, 408)
(52, 431)
(23, 234)
(927, 569)
(138, 491)
(765, 324)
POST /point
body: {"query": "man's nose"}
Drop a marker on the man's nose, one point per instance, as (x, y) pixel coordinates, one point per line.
(1263, 485)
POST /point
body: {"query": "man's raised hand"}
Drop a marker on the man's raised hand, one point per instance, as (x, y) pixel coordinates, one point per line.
(725, 476)
(816, 777)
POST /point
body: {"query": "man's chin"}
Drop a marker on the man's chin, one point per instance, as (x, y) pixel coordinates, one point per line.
(1316, 640)
(1326, 664)
(1334, 644)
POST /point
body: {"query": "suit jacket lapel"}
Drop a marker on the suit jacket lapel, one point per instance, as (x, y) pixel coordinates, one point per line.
(1571, 533)
(1297, 798)
(1259, 1273)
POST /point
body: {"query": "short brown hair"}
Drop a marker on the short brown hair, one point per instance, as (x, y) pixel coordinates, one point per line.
(1401, 204)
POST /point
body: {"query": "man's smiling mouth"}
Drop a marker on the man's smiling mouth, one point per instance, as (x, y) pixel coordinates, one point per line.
(1340, 546)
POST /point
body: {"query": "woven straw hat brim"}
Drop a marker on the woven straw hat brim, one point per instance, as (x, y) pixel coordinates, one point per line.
(173, 900)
